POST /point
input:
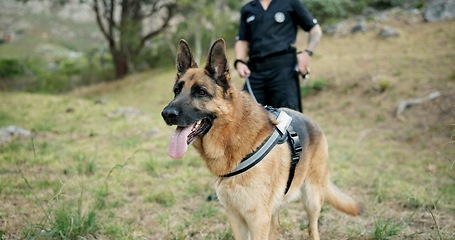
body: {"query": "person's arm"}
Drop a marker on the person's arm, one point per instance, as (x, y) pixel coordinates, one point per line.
(304, 57)
(314, 37)
(241, 49)
(308, 23)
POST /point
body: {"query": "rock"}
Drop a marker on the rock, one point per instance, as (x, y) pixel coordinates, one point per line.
(387, 32)
(337, 29)
(439, 10)
(9, 132)
(361, 26)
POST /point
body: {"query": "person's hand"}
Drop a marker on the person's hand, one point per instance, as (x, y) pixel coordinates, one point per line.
(303, 61)
(243, 69)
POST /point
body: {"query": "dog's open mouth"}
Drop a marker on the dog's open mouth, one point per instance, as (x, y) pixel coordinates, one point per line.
(185, 135)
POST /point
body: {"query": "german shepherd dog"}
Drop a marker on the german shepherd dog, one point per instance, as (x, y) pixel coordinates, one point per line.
(225, 125)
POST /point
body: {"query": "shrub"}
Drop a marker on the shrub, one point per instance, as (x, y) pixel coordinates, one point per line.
(325, 10)
(10, 68)
(56, 75)
(384, 4)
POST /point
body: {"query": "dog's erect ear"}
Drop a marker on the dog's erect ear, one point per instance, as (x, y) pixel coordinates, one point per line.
(217, 65)
(185, 59)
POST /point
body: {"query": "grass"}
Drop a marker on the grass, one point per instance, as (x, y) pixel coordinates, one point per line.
(94, 173)
(312, 87)
(67, 222)
(65, 216)
(386, 229)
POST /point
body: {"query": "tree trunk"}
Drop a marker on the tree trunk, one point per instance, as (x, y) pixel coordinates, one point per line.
(124, 35)
(121, 65)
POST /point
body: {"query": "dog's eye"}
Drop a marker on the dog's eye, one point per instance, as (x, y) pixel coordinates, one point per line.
(177, 91)
(178, 88)
(201, 92)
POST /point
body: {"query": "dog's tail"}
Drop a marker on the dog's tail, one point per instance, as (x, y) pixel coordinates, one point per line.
(342, 201)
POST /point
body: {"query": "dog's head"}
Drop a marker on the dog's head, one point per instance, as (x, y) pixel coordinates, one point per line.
(197, 96)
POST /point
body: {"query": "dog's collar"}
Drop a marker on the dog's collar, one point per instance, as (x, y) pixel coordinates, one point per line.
(279, 135)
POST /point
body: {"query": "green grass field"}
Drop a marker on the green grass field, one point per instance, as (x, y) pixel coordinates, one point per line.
(96, 166)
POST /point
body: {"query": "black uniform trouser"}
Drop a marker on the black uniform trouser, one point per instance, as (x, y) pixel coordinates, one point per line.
(275, 82)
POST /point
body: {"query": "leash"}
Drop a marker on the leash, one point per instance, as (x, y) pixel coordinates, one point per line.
(248, 87)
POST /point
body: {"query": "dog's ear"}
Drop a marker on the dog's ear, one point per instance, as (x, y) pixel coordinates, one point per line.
(185, 58)
(217, 65)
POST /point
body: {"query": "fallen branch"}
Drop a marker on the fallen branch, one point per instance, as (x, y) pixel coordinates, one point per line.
(404, 104)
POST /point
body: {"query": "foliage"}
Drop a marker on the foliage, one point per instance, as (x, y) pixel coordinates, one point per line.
(199, 22)
(56, 75)
(384, 4)
(10, 67)
(157, 55)
(325, 10)
(205, 21)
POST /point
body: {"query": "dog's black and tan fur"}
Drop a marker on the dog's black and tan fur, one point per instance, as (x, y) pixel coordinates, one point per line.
(225, 125)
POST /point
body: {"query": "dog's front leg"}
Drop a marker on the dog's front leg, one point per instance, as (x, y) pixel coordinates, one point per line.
(238, 225)
(259, 225)
(275, 225)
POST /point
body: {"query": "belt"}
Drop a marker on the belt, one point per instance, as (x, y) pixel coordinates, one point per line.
(279, 61)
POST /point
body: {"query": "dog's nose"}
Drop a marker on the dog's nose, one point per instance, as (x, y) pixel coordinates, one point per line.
(169, 114)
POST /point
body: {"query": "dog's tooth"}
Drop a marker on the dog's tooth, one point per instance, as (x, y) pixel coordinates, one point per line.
(196, 126)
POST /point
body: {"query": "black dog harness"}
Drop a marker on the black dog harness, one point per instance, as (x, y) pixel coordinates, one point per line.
(282, 132)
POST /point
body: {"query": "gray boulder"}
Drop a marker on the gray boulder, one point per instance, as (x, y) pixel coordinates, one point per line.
(439, 10)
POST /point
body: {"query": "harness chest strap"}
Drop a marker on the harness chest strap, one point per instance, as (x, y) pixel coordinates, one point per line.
(282, 132)
(296, 149)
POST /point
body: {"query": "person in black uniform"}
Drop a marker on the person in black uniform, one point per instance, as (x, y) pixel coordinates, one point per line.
(265, 53)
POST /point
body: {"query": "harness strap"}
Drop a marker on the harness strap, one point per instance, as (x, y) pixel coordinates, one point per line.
(296, 149)
(283, 131)
(257, 155)
(295, 146)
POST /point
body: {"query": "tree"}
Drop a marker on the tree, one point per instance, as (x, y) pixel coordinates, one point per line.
(207, 20)
(121, 23)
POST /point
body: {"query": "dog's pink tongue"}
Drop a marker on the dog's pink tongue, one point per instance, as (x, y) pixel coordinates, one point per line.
(178, 145)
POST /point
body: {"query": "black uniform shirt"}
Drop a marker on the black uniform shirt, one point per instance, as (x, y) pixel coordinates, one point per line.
(274, 30)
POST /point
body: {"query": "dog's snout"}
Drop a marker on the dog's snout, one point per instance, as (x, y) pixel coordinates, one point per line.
(169, 114)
